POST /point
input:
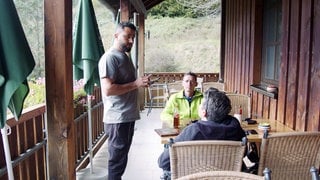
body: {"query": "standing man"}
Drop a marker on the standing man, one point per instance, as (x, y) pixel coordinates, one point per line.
(119, 87)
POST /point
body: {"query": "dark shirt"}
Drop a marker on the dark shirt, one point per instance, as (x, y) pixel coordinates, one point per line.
(228, 129)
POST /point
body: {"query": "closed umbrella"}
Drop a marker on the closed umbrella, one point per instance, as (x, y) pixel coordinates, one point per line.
(16, 64)
(87, 50)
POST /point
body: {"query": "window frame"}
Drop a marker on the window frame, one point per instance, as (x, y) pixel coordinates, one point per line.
(271, 43)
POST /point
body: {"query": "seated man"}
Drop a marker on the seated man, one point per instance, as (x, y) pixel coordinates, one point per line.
(215, 124)
(186, 102)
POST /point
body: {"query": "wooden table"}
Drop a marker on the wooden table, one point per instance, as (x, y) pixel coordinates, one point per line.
(275, 127)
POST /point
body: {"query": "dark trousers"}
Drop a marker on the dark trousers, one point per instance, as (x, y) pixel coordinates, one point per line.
(119, 142)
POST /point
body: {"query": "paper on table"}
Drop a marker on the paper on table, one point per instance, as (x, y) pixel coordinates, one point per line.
(167, 132)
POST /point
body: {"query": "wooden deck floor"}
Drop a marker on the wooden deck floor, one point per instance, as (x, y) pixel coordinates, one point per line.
(144, 152)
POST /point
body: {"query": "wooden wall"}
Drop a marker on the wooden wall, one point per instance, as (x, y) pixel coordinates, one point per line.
(298, 102)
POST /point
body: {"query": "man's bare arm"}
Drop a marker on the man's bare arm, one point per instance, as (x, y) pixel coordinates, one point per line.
(110, 89)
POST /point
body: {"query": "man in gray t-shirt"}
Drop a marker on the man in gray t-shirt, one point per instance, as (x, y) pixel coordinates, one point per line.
(119, 87)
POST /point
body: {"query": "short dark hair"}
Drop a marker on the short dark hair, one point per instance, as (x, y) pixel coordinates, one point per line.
(217, 104)
(123, 25)
(191, 74)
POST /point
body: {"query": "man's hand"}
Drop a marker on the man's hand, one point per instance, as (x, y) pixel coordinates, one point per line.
(143, 81)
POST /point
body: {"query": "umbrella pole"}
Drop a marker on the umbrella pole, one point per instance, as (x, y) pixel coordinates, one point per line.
(5, 131)
(88, 173)
(90, 133)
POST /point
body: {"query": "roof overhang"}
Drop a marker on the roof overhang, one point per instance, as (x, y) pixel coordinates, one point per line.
(139, 6)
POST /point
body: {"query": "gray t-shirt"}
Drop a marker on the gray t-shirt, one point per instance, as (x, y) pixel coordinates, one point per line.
(116, 65)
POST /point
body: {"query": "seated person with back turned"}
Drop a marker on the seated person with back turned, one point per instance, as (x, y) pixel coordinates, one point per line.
(185, 101)
(215, 124)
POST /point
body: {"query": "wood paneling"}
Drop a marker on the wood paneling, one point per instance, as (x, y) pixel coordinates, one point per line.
(298, 103)
(304, 65)
(292, 64)
(314, 95)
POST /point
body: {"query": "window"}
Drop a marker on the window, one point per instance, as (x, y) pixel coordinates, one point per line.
(271, 44)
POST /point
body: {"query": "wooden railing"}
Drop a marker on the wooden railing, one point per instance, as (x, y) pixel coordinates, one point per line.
(27, 141)
(81, 127)
(176, 76)
(172, 77)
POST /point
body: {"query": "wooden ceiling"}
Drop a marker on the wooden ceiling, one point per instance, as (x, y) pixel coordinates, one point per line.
(139, 6)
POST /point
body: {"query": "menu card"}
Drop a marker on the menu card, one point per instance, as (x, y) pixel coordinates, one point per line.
(167, 132)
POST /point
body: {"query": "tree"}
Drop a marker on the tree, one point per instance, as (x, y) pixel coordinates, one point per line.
(171, 8)
(186, 8)
(202, 7)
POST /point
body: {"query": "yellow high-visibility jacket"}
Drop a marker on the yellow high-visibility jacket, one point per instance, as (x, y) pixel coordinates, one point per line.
(187, 111)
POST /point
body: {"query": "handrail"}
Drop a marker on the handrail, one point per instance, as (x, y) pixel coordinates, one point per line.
(24, 156)
(169, 77)
(28, 140)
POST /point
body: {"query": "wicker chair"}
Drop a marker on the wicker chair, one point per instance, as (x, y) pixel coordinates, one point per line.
(290, 155)
(226, 175)
(314, 173)
(217, 85)
(190, 157)
(157, 92)
(174, 87)
(242, 100)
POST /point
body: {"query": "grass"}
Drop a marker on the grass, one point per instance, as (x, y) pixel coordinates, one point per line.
(184, 43)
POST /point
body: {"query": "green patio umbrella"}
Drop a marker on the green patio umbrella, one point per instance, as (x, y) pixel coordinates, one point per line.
(16, 63)
(87, 50)
(87, 46)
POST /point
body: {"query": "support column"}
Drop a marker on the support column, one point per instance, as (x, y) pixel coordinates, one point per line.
(59, 89)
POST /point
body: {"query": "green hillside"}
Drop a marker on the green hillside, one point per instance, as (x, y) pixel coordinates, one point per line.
(182, 44)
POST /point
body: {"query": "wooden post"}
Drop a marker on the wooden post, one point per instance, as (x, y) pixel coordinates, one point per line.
(140, 54)
(59, 89)
(124, 10)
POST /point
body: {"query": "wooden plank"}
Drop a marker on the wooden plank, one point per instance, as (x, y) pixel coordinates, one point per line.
(260, 106)
(227, 46)
(304, 65)
(273, 109)
(141, 48)
(246, 45)
(240, 61)
(59, 90)
(266, 107)
(124, 10)
(234, 47)
(223, 40)
(230, 49)
(31, 166)
(253, 103)
(284, 60)
(30, 137)
(293, 63)
(245, 68)
(41, 171)
(39, 126)
(314, 106)
(256, 42)
(139, 6)
(15, 142)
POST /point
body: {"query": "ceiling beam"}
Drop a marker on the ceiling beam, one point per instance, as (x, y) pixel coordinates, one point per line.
(139, 6)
